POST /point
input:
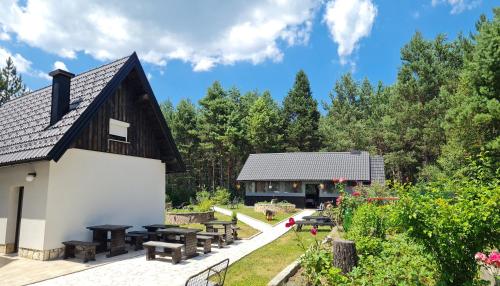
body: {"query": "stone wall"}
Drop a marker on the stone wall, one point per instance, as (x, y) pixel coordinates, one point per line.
(6, 248)
(36, 254)
(261, 207)
(192, 217)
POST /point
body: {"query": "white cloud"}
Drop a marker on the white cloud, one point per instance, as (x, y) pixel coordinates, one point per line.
(4, 36)
(348, 22)
(60, 65)
(458, 6)
(22, 64)
(204, 33)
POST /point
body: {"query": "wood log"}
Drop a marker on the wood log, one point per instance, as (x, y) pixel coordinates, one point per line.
(344, 255)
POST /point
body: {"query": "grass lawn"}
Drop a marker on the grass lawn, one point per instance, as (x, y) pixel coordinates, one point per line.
(259, 267)
(248, 210)
(244, 232)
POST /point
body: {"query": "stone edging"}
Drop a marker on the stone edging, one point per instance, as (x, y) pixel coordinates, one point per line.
(290, 270)
(189, 217)
(285, 274)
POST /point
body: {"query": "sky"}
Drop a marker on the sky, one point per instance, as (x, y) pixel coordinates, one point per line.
(185, 46)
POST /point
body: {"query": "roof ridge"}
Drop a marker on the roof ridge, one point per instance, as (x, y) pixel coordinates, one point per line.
(80, 74)
(305, 152)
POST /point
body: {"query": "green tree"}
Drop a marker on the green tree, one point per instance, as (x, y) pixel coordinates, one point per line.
(344, 127)
(301, 117)
(215, 112)
(264, 125)
(11, 83)
(417, 104)
(473, 121)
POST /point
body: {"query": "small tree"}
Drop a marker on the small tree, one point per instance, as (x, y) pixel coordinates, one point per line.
(11, 83)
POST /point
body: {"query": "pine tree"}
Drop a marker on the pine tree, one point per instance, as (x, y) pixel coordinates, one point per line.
(264, 125)
(473, 121)
(301, 117)
(11, 83)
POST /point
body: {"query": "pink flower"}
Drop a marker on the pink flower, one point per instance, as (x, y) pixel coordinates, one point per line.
(356, 194)
(494, 258)
(341, 180)
(480, 256)
(339, 200)
(335, 180)
(314, 231)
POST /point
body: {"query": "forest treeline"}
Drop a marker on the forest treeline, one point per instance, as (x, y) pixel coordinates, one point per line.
(442, 110)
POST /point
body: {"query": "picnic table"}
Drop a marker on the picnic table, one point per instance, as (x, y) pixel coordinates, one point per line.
(228, 231)
(315, 221)
(189, 234)
(117, 241)
(155, 227)
(316, 218)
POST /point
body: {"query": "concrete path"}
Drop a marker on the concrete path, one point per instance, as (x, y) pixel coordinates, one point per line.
(255, 223)
(138, 271)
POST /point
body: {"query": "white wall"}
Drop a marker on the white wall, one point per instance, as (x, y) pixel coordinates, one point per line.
(89, 188)
(34, 204)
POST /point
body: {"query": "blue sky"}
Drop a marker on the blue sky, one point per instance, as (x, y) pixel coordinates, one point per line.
(208, 52)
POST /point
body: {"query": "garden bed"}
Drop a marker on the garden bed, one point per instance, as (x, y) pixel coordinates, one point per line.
(189, 217)
(275, 207)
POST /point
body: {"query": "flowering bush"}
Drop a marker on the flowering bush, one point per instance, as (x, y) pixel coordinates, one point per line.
(453, 221)
(491, 262)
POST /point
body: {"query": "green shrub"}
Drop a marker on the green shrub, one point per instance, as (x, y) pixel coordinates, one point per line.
(221, 196)
(368, 228)
(203, 201)
(453, 221)
(400, 262)
(202, 195)
(204, 206)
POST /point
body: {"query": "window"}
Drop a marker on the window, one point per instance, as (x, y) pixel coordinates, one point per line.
(118, 130)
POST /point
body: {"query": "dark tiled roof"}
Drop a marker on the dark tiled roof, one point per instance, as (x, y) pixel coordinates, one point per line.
(25, 134)
(307, 166)
(377, 170)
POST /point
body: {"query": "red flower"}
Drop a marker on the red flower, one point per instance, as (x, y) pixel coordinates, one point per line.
(356, 194)
(314, 231)
(290, 222)
(339, 200)
(335, 180)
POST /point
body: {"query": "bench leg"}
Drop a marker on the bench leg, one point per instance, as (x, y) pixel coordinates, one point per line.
(150, 253)
(138, 243)
(88, 254)
(69, 251)
(207, 246)
(176, 256)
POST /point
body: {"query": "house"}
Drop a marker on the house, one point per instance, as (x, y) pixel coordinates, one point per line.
(89, 149)
(307, 178)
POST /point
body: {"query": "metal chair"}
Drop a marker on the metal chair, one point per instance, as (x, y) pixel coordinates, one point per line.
(215, 275)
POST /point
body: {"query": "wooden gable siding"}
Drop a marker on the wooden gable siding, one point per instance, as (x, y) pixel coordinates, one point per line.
(124, 105)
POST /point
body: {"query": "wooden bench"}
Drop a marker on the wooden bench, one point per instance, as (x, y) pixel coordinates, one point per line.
(301, 223)
(136, 238)
(85, 249)
(169, 249)
(216, 237)
(206, 242)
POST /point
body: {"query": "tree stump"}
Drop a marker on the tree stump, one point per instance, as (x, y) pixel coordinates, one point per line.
(344, 255)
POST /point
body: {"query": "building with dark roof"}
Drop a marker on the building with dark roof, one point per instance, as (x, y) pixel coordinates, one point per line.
(89, 149)
(307, 178)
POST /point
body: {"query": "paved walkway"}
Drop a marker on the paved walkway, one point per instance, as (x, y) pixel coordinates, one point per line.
(255, 223)
(138, 271)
